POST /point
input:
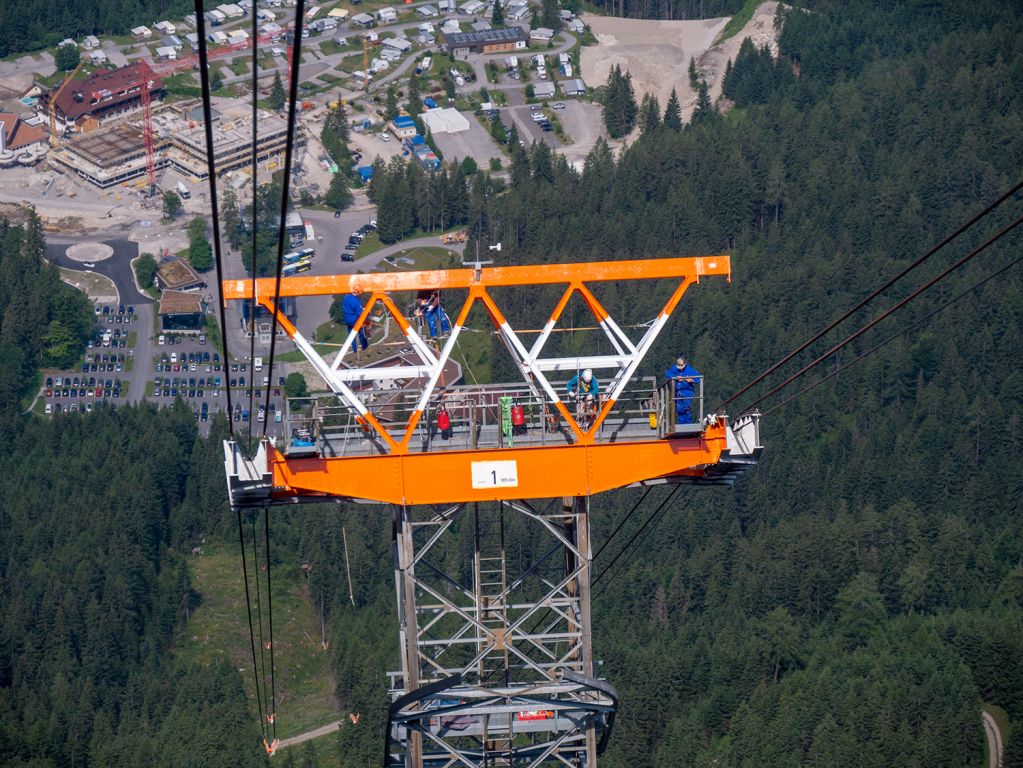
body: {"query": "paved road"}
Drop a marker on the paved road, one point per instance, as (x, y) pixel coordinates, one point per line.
(117, 267)
(995, 742)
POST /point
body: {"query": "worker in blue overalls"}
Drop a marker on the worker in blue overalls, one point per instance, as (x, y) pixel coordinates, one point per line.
(684, 376)
(351, 311)
(435, 315)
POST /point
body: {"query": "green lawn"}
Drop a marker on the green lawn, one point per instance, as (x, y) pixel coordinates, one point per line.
(424, 257)
(219, 629)
(370, 244)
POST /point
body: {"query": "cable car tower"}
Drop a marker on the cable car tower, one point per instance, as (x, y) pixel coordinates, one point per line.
(491, 515)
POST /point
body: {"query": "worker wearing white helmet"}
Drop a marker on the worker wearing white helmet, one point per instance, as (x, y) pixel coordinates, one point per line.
(583, 385)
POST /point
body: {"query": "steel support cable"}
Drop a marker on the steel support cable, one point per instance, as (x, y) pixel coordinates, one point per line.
(289, 150)
(898, 305)
(895, 336)
(259, 615)
(248, 610)
(255, 218)
(270, 620)
(204, 77)
(660, 508)
(875, 294)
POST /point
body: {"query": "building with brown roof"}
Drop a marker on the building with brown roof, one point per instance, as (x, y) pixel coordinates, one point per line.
(176, 275)
(16, 134)
(180, 311)
(84, 104)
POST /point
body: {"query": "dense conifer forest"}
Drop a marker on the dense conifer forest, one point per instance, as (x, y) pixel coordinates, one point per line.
(855, 600)
(852, 602)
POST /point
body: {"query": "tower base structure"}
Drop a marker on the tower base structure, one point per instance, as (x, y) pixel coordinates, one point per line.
(496, 653)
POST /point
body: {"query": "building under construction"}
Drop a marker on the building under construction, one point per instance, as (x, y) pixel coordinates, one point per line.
(117, 154)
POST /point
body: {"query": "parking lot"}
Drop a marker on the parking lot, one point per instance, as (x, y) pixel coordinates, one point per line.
(475, 142)
(186, 366)
(530, 130)
(105, 370)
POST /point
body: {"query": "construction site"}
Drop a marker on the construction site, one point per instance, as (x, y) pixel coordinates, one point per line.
(117, 154)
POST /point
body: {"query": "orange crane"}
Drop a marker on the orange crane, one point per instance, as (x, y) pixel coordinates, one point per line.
(53, 103)
(497, 659)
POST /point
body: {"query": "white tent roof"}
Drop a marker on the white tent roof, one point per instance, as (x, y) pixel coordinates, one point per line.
(447, 120)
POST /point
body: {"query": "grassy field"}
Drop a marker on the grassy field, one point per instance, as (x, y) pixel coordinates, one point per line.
(739, 20)
(424, 257)
(90, 283)
(219, 628)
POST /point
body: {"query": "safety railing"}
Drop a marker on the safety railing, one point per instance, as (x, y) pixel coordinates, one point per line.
(486, 416)
(679, 406)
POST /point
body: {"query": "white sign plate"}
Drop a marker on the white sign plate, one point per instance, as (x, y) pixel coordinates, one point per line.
(495, 474)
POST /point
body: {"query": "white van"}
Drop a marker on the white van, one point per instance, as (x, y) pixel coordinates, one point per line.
(257, 364)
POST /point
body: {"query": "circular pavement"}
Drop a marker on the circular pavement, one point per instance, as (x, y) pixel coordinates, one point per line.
(89, 252)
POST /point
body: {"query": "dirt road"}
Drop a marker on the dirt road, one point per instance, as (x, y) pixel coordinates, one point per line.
(308, 735)
(995, 743)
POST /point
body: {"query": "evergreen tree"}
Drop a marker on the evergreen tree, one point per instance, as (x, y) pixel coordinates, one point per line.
(391, 110)
(694, 76)
(200, 253)
(232, 217)
(338, 195)
(649, 114)
(704, 107)
(549, 16)
(277, 98)
(673, 113)
(497, 17)
(415, 101)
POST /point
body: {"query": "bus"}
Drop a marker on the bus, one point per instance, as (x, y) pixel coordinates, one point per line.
(293, 256)
(299, 266)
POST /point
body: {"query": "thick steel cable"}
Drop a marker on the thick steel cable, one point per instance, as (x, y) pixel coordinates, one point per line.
(622, 522)
(663, 506)
(270, 620)
(875, 294)
(255, 219)
(259, 610)
(898, 305)
(248, 609)
(289, 149)
(895, 336)
(204, 77)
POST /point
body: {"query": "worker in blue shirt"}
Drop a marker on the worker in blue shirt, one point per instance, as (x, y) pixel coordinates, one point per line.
(584, 385)
(685, 377)
(351, 311)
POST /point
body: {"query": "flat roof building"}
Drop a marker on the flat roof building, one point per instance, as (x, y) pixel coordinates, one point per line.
(543, 90)
(542, 35)
(182, 311)
(486, 41)
(363, 20)
(176, 275)
(574, 87)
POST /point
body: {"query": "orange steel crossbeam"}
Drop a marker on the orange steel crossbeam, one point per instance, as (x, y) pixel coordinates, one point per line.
(693, 268)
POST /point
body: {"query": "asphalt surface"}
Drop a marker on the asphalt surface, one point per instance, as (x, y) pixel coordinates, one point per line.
(117, 267)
